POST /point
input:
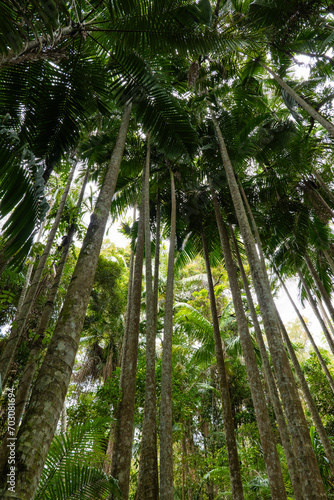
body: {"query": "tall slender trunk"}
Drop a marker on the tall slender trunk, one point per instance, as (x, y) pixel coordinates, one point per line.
(320, 286)
(48, 395)
(28, 275)
(22, 318)
(122, 450)
(310, 110)
(329, 259)
(231, 444)
(148, 487)
(282, 426)
(308, 398)
(111, 440)
(323, 185)
(313, 303)
(325, 316)
(166, 431)
(308, 333)
(37, 346)
(130, 284)
(312, 485)
(273, 467)
(156, 261)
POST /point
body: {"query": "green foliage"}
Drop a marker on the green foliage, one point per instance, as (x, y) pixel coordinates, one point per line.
(72, 468)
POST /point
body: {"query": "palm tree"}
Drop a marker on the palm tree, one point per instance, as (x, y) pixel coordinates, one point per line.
(166, 426)
(148, 465)
(45, 407)
(293, 409)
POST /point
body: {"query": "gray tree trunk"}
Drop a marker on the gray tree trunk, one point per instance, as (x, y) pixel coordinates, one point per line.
(320, 286)
(49, 392)
(22, 318)
(37, 347)
(316, 312)
(323, 185)
(274, 396)
(270, 454)
(148, 479)
(166, 432)
(312, 484)
(231, 444)
(308, 398)
(310, 110)
(309, 334)
(122, 448)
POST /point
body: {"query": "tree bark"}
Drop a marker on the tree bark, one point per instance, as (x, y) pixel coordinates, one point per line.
(22, 318)
(282, 426)
(316, 312)
(268, 444)
(231, 444)
(166, 431)
(320, 286)
(148, 487)
(48, 395)
(308, 333)
(308, 398)
(310, 110)
(122, 450)
(323, 185)
(325, 315)
(313, 487)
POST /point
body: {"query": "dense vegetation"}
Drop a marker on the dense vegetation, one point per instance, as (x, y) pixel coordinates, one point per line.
(163, 370)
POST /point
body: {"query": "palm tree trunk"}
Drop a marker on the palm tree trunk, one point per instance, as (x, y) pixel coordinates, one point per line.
(231, 445)
(308, 333)
(320, 286)
(166, 431)
(310, 110)
(316, 312)
(312, 484)
(157, 261)
(329, 259)
(21, 319)
(308, 398)
(323, 185)
(273, 467)
(326, 319)
(37, 347)
(49, 392)
(148, 487)
(282, 426)
(129, 297)
(29, 273)
(122, 450)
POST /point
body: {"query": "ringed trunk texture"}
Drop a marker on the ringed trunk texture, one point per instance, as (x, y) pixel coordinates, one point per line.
(310, 110)
(269, 377)
(49, 392)
(268, 443)
(231, 444)
(148, 487)
(22, 317)
(166, 431)
(308, 333)
(122, 449)
(308, 398)
(313, 487)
